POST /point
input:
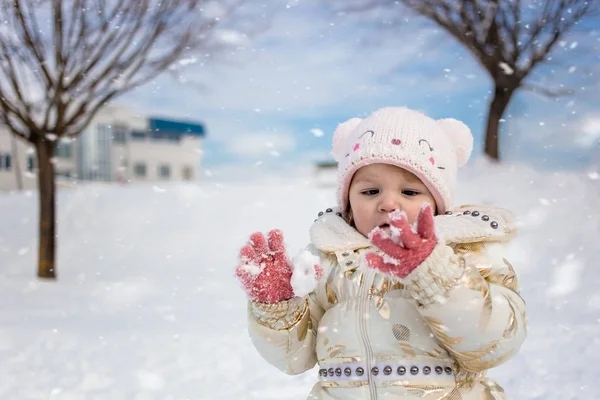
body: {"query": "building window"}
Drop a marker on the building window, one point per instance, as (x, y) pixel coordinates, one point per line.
(188, 173)
(138, 135)
(64, 149)
(164, 171)
(5, 162)
(165, 135)
(139, 170)
(30, 163)
(120, 134)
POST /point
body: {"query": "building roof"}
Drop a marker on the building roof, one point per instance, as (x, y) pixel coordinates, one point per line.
(165, 127)
(326, 164)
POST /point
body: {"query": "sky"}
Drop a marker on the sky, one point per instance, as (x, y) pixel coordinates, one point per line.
(273, 99)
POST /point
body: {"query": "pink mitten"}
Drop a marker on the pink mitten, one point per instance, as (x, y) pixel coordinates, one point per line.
(266, 272)
(404, 249)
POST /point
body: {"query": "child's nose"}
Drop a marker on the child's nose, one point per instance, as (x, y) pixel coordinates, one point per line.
(389, 203)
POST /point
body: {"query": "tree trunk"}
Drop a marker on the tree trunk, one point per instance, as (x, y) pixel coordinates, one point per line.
(16, 164)
(47, 196)
(502, 96)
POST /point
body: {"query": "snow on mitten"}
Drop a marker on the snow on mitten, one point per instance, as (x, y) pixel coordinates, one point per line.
(404, 248)
(307, 272)
(265, 271)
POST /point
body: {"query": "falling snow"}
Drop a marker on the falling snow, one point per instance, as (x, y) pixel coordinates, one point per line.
(316, 132)
(507, 69)
(140, 307)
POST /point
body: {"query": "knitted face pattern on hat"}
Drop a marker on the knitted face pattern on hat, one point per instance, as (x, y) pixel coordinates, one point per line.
(431, 149)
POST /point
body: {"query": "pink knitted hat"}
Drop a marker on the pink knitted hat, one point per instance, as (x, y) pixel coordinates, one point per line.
(431, 149)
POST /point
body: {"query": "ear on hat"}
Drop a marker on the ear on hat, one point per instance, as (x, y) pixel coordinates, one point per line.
(340, 135)
(461, 138)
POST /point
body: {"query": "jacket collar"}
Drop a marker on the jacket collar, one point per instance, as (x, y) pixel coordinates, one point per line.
(465, 224)
(331, 233)
(476, 223)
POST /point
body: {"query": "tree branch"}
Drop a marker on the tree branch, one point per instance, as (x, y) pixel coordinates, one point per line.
(546, 91)
(8, 69)
(101, 40)
(32, 40)
(8, 110)
(91, 54)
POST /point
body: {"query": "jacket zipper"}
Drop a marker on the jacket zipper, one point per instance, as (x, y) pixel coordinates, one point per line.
(362, 309)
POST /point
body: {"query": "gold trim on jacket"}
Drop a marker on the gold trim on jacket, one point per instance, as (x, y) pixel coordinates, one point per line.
(461, 305)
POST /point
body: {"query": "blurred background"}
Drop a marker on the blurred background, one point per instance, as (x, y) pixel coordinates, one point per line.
(142, 142)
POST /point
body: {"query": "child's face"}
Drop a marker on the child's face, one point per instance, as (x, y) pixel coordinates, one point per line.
(378, 189)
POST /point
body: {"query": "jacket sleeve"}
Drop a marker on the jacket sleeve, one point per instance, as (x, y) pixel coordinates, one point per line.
(469, 297)
(285, 333)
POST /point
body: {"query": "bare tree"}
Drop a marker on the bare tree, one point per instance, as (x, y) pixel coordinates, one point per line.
(62, 60)
(509, 39)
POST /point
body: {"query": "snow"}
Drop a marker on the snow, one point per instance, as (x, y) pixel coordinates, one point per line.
(229, 36)
(304, 277)
(507, 69)
(253, 270)
(591, 133)
(317, 132)
(187, 61)
(565, 279)
(147, 305)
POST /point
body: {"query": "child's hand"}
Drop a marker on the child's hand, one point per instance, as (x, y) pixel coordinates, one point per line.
(265, 271)
(404, 249)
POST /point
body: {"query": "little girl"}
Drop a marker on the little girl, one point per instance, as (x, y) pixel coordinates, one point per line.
(400, 303)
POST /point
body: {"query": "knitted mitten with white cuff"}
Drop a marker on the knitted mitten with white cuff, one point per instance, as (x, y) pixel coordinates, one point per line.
(268, 276)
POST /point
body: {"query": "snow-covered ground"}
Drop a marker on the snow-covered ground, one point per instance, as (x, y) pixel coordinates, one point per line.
(146, 305)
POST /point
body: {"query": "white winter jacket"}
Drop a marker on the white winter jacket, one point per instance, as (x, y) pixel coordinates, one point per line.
(429, 336)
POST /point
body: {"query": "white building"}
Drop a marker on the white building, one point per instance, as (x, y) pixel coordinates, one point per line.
(16, 154)
(326, 173)
(118, 145)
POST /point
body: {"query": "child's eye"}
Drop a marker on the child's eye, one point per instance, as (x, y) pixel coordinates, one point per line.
(410, 192)
(370, 192)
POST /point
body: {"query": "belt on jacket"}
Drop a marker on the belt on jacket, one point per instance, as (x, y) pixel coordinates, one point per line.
(386, 371)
